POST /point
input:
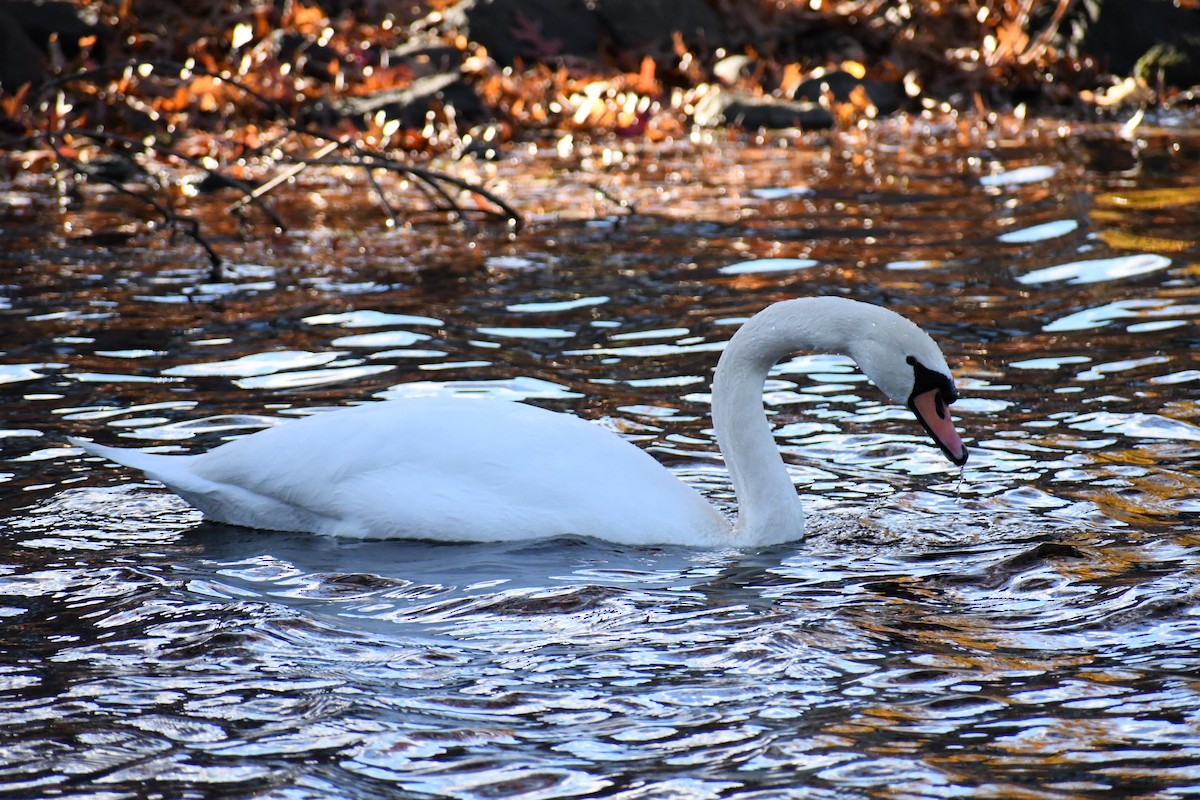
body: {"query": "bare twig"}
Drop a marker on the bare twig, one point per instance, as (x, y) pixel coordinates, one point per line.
(1039, 45)
(434, 180)
(629, 207)
(383, 201)
(438, 187)
(165, 209)
(149, 144)
(282, 177)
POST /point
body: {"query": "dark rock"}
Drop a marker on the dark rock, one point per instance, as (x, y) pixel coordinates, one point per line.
(528, 30)
(43, 20)
(887, 97)
(26, 28)
(113, 169)
(20, 60)
(426, 56)
(1143, 37)
(650, 24)
(214, 181)
(309, 58)
(726, 108)
(541, 31)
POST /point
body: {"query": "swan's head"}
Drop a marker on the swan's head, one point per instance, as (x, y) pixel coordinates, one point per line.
(909, 368)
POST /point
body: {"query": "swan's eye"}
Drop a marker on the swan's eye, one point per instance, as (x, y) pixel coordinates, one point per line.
(925, 379)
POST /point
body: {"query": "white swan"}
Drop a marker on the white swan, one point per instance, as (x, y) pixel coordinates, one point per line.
(483, 470)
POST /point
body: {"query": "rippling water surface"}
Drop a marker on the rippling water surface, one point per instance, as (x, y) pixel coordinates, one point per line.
(1028, 628)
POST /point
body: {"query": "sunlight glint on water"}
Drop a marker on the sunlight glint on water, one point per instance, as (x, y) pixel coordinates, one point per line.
(1027, 624)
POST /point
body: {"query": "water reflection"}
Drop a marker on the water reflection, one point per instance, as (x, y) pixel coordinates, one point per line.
(1026, 625)
(1037, 233)
(1099, 269)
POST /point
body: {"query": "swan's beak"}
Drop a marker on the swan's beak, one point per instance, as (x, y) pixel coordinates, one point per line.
(934, 415)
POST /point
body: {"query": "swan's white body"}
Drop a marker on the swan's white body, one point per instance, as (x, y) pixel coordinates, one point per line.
(457, 469)
(484, 470)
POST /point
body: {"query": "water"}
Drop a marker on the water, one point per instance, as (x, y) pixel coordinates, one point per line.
(1026, 628)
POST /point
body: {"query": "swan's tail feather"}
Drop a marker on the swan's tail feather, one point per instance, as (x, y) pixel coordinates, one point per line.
(121, 455)
(174, 471)
(223, 502)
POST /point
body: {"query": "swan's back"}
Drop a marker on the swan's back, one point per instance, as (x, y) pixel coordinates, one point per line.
(451, 469)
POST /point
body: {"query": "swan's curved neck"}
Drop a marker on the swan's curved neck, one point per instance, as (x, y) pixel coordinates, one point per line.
(768, 507)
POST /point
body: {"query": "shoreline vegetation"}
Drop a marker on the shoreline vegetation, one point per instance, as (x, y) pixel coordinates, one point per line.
(163, 103)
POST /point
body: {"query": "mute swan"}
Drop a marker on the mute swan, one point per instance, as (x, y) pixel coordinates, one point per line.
(464, 469)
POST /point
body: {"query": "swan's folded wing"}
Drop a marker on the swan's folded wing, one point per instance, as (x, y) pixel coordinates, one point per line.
(460, 470)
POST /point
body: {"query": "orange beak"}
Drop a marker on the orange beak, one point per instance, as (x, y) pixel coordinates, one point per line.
(934, 415)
